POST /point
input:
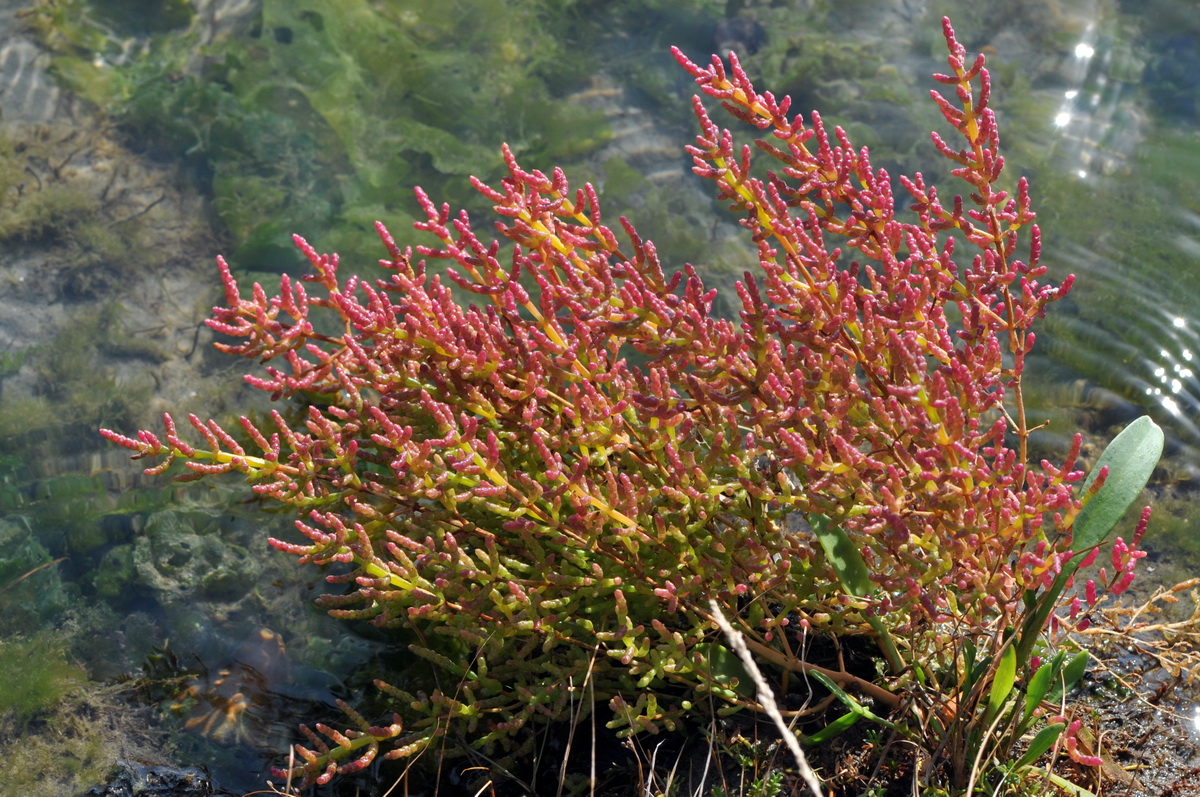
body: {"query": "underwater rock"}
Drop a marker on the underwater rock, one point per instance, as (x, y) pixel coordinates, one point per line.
(156, 781)
(27, 90)
(180, 564)
(115, 573)
(743, 35)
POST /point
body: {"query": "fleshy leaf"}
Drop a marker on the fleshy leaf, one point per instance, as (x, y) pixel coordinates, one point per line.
(843, 556)
(1130, 458)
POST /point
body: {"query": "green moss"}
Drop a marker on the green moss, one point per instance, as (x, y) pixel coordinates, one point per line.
(47, 214)
(71, 190)
(58, 735)
(21, 416)
(35, 676)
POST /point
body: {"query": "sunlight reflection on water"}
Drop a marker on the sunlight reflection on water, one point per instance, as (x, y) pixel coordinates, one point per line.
(1143, 345)
(1131, 326)
(1098, 121)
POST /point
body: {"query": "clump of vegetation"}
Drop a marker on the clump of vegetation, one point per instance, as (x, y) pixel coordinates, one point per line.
(36, 676)
(563, 490)
(58, 733)
(71, 190)
(36, 203)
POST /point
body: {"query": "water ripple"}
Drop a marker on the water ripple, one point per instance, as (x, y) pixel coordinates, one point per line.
(27, 91)
(1130, 336)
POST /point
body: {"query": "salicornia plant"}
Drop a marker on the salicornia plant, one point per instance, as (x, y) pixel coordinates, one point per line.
(549, 484)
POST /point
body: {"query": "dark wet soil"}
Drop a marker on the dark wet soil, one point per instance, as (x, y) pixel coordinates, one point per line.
(1148, 721)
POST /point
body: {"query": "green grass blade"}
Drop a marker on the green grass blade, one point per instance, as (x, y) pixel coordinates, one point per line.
(1041, 743)
(838, 726)
(1071, 675)
(848, 701)
(1039, 685)
(1002, 682)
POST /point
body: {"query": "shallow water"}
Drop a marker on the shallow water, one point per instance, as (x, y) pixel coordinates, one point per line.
(1097, 101)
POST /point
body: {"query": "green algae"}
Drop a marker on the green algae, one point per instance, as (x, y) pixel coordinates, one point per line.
(32, 591)
(35, 676)
(59, 732)
(1118, 329)
(323, 114)
(76, 380)
(63, 749)
(33, 205)
(69, 189)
